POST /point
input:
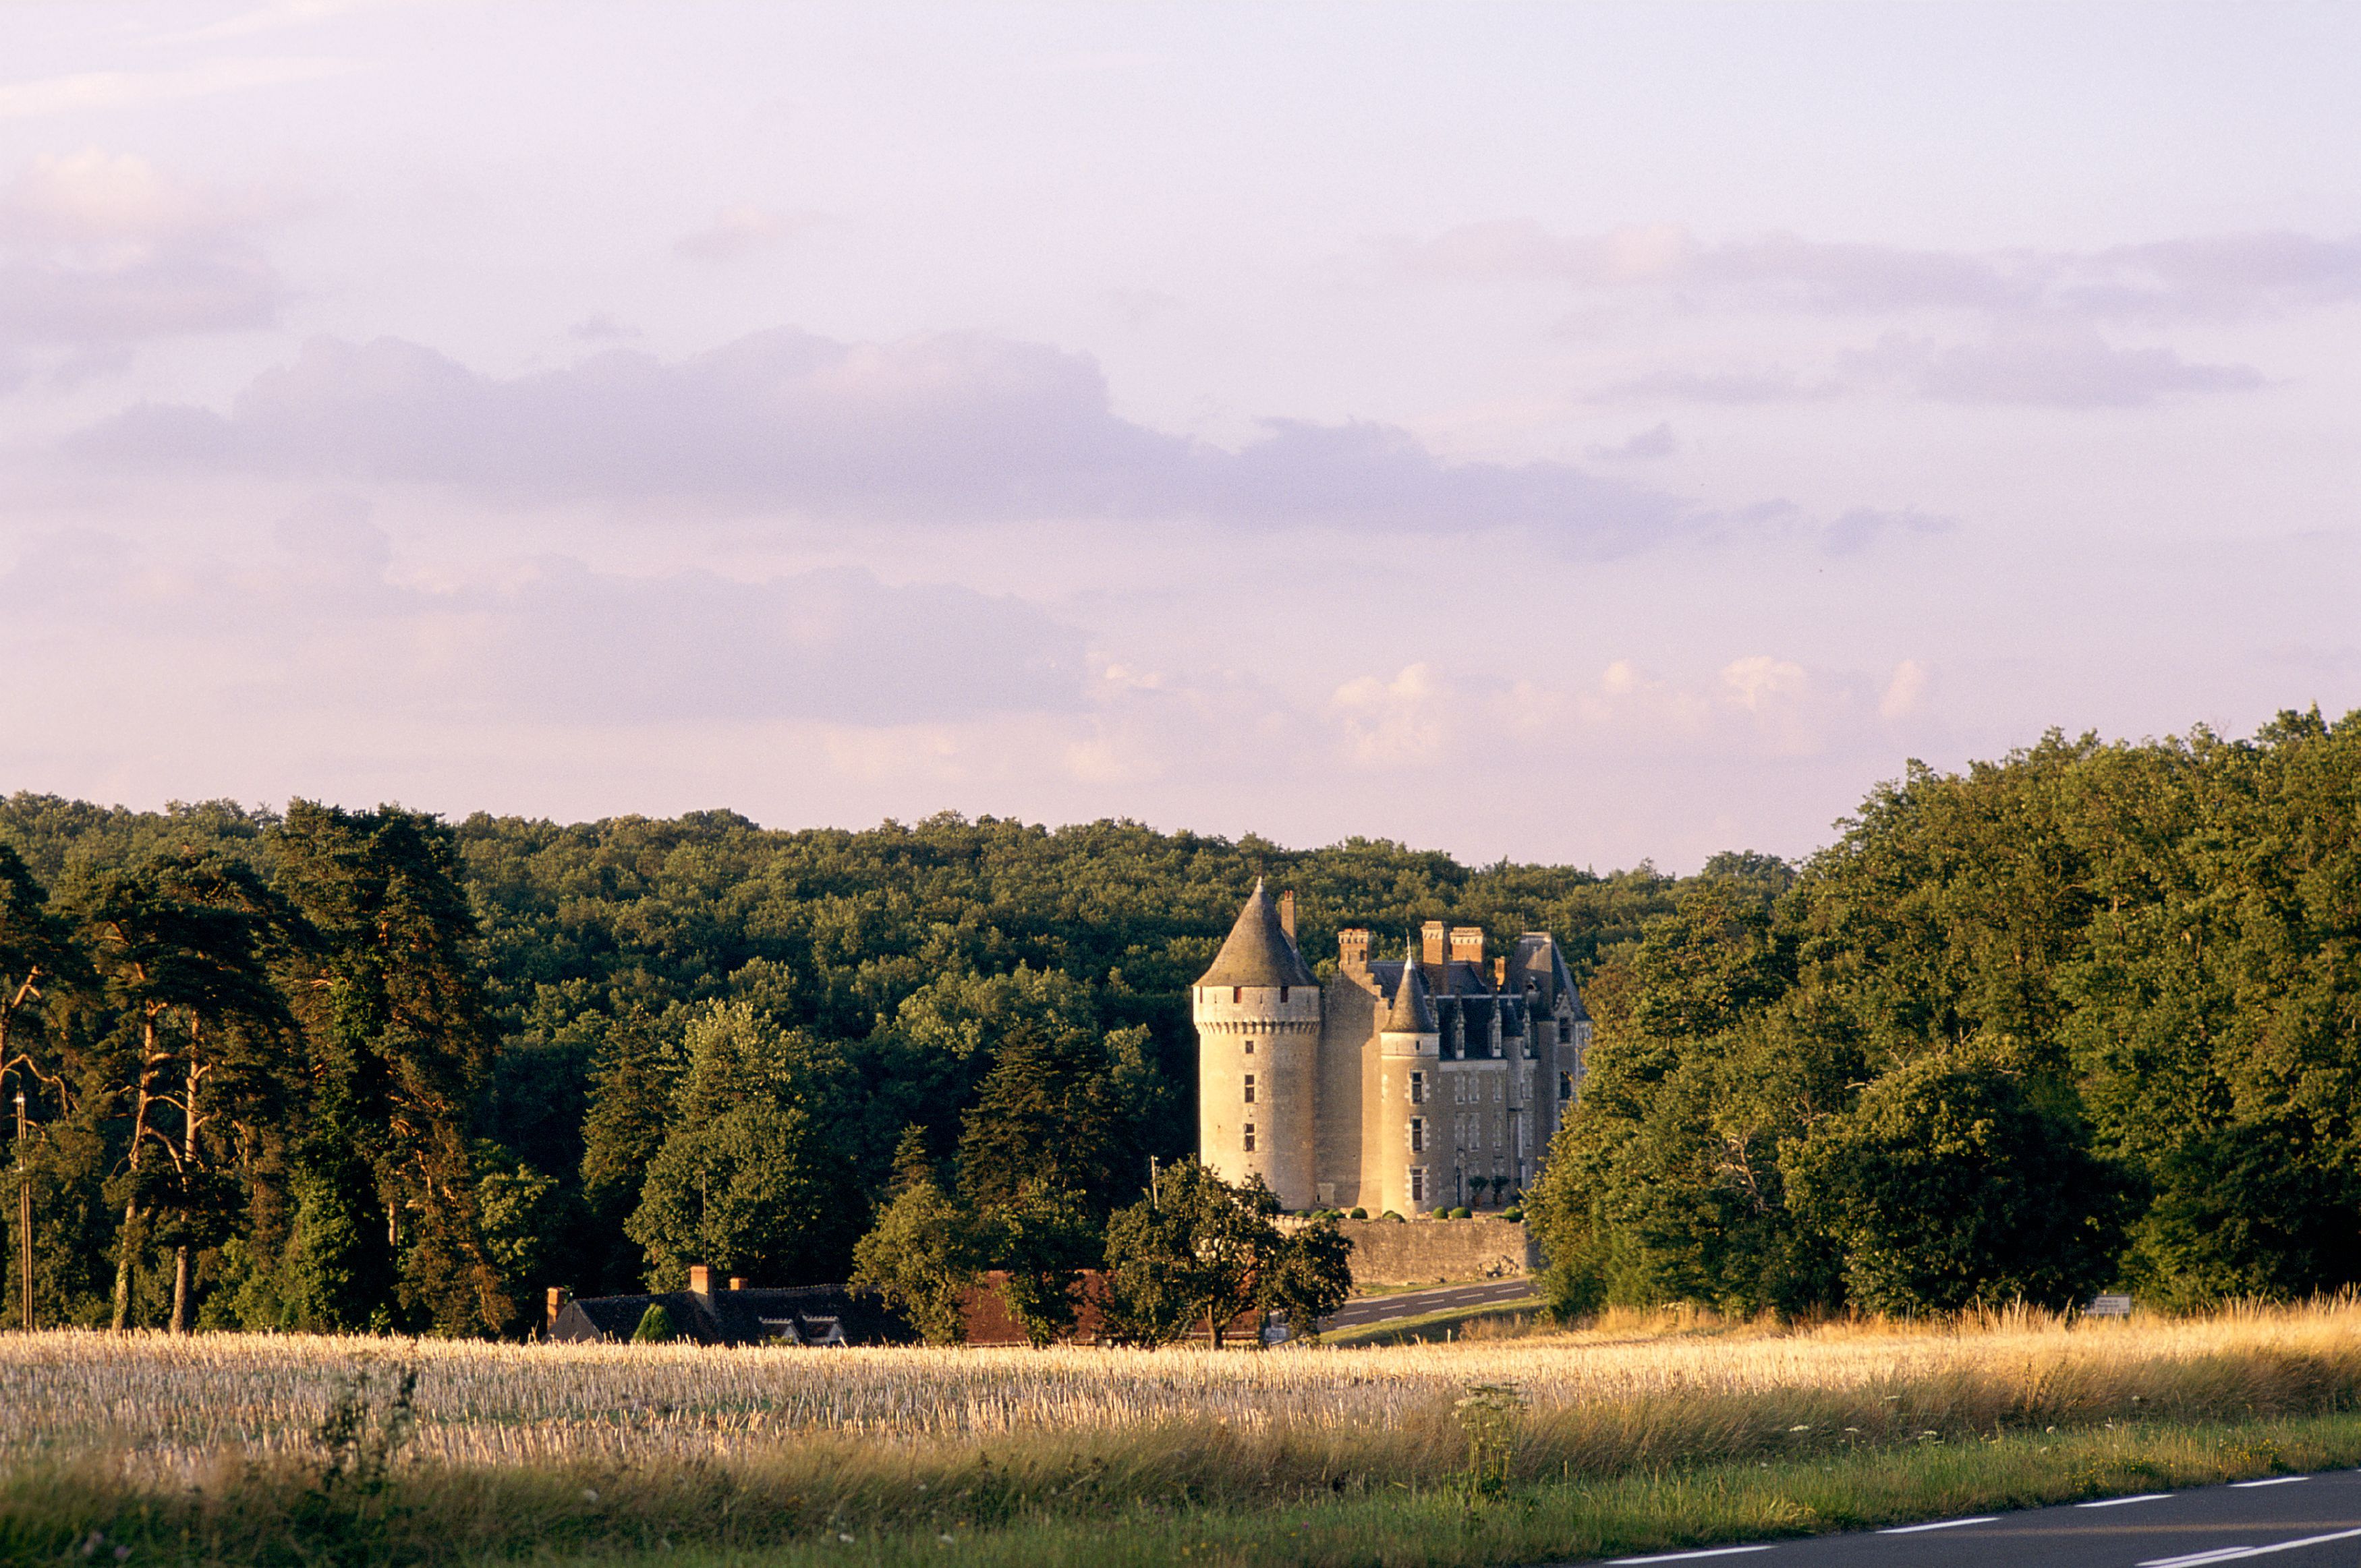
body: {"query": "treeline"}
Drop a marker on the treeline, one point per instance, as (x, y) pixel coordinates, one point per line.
(2088, 1016)
(335, 1070)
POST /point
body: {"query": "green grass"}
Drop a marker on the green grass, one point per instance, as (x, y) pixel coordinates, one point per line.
(1573, 1521)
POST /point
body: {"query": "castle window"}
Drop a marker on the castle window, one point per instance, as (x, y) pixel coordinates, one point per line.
(1249, 1088)
(1237, 994)
(1282, 995)
(1248, 1144)
(1418, 1185)
(1249, 1047)
(1566, 1031)
(1418, 1134)
(1418, 1089)
(1565, 1087)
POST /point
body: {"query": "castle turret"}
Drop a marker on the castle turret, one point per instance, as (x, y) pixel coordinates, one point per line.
(1257, 1014)
(1410, 1153)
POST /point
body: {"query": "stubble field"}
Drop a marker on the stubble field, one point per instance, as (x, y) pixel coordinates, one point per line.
(246, 1449)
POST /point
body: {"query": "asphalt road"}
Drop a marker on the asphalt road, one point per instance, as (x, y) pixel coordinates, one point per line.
(1416, 1303)
(2297, 1522)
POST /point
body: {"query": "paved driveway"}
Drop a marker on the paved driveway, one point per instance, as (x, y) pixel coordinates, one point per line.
(1417, 1303)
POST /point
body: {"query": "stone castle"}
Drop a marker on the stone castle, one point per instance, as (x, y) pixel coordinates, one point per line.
(1412, 1085)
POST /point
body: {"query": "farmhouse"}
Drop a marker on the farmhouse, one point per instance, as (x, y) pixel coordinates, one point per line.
(1410, 1085)
(811, 1315)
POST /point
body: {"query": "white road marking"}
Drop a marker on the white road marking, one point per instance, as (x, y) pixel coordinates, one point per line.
(1691, 1556)
(2268, 1481)
(2237, 1553)
(1940, 1524)
(2119, 1502)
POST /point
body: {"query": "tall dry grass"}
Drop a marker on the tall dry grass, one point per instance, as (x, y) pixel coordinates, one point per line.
(519, 1444)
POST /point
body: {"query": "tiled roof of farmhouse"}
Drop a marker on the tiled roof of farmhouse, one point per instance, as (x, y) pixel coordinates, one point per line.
(1410, 1013)
(1258, 952)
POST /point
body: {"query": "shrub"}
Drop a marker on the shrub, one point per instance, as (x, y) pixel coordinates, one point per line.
(1360, 1213)
(1462, 1212)
(1389, 1214)
(1512, 1212)
(656, 1326)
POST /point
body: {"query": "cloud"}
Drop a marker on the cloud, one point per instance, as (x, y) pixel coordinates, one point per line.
(317, 624)
(2060, 367)
(1735, 387)
(736, 231)
(601, 328)
(103, 249)
(953, 427)
(1656, 442)
(1394, 723)
(2201, 275)
(1906, 692)
(1859, 529)
(128, 89)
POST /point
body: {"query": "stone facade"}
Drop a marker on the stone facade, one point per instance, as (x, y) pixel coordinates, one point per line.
(1410, 1085)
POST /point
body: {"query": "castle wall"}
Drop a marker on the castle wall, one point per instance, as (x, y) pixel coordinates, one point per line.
(1341, 1127)
(1428, 1251)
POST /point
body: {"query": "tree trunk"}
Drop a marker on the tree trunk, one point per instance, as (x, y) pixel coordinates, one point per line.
(127, 1245)
(192, 1121)
(1213, 1327)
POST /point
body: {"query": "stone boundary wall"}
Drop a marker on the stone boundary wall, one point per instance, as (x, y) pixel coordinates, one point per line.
(1422, 1251)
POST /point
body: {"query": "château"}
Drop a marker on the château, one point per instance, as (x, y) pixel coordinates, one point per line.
(1410, 1085)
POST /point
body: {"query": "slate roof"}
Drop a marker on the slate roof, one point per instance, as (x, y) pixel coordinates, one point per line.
(1409, 1012)
(1539, 960)
(810, 1315)
(1258, 951)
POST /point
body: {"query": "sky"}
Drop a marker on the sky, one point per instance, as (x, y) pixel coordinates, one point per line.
(1571, 433)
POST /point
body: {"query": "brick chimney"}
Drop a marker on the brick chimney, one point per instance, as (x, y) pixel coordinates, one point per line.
(1353, 947)
(737, 1282)
(1467, 945)
(1287, 913)
(559, 1296)
(1499, 975)
(1431, 939)
(700, 1279)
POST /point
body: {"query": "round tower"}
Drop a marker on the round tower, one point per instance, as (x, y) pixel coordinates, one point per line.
(1257, 1016)
(1413, 1152)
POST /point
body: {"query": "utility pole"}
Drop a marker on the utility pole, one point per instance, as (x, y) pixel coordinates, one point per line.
(24, 1215)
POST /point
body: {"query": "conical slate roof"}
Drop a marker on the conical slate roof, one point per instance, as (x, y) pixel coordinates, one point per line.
(1411, 1013)
(1258, 951)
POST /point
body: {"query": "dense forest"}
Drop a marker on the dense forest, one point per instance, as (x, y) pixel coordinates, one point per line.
(2090, 1016)
(2086, 1016)
(339, 1070)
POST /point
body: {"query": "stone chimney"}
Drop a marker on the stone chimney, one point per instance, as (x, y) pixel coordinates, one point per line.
(1287, 913)
(737, 1282)
(1431, 939)
(1499, 975)
(1467, 945)
(559, 1296)
(700, 1279)
(1353, 947)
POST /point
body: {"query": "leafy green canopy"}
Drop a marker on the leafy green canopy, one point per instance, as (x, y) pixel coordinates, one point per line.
(2091, 1014)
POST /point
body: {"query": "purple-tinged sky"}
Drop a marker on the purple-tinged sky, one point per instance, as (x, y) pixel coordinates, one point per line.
(1566, 433)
